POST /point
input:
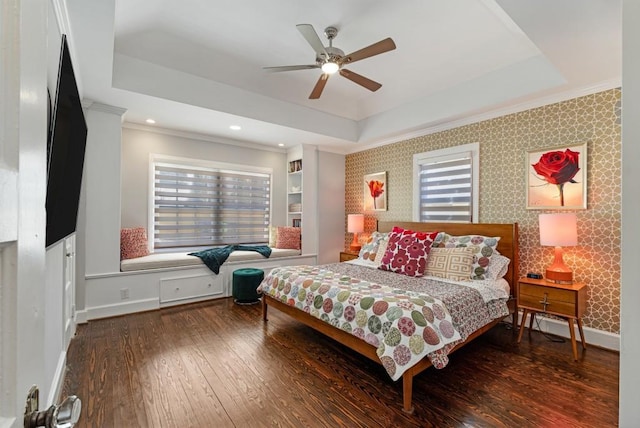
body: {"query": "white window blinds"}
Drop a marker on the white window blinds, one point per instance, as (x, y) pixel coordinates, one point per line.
(201, 206)
(445, 184)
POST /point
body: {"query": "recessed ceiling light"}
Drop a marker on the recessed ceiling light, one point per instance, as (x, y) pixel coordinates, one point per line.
(281, 144)
(151, 121)
(235, 127)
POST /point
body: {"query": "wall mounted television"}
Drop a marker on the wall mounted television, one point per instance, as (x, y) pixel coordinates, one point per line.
(65, 153)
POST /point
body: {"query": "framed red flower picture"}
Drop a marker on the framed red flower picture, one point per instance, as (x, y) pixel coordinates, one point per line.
(557, 178)
(375, 192)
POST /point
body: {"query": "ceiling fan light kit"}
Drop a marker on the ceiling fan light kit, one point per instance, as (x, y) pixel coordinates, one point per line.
(330, 67)
(331, 60)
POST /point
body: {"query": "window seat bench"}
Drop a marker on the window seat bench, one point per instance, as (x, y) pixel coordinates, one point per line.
(166, 279)
(170, 260)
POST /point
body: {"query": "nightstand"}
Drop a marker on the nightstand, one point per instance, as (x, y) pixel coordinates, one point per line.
(562, 300)
(345, 256)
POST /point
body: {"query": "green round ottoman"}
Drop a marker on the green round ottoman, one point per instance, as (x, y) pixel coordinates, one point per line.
(245, 283)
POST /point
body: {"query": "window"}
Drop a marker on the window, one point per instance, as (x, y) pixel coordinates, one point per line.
(445, 184)
(199, 203)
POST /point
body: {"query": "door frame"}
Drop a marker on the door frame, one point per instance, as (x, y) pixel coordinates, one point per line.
(23, 134)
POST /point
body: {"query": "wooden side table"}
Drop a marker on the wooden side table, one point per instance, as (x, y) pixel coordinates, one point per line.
(566, 301)
(348, 255)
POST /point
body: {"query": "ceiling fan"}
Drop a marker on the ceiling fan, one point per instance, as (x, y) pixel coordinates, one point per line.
(331, 60)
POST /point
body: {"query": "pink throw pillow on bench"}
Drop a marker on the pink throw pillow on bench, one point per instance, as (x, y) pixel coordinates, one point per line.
(133, 243)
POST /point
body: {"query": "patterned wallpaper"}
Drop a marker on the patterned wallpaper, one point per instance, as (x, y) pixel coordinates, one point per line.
(504, 142)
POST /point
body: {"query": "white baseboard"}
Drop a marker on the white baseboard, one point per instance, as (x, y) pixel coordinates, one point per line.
(81, 317)
(602, 339)
(120, 309)
(8, 422)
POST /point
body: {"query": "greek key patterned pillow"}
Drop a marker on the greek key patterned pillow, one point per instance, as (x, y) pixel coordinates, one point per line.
(450, 263)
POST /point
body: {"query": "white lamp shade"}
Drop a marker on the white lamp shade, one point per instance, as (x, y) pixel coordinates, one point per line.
(558, 230)
(355, 223)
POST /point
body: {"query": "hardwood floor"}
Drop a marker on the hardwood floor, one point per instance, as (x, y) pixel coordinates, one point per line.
(216, 364)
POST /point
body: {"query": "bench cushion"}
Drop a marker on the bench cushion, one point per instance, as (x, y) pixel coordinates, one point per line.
(169, 260)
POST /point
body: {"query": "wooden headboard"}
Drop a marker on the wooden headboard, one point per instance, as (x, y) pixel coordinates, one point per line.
(507, 246)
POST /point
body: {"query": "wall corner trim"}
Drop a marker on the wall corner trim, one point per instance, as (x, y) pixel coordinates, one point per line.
(105, 108)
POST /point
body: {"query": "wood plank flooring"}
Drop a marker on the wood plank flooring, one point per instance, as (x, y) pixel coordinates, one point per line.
(216, 364)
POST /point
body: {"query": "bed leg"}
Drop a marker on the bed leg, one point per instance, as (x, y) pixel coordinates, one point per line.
(264, 309)
(407, 391)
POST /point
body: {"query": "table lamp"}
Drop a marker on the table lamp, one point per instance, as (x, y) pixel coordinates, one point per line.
(558, 230)
(355, 225)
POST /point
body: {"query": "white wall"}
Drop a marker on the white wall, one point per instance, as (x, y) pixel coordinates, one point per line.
(630, 290)
(102, 184)
(331, 213)
(323, 193)
(310, 191)
(137, 145)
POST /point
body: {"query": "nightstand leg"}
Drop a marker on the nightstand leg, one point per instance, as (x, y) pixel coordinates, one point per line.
(524, 318)
(532, 316)
(584, 344)
(573, 339)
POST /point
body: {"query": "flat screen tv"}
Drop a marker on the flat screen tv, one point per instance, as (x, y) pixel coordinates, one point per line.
(65, 151)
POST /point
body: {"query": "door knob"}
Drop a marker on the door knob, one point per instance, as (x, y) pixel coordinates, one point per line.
(63, 415)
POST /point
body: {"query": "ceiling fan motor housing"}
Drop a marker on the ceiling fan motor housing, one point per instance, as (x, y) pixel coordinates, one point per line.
(335, 55)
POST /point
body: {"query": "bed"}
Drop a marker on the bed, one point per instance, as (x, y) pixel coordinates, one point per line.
(407, 298)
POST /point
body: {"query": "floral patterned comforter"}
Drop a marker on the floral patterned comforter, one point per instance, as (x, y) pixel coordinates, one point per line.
(406, 318)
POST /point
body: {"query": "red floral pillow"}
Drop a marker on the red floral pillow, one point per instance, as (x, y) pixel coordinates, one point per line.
(407, 251)
(133, 243)
(288, 237)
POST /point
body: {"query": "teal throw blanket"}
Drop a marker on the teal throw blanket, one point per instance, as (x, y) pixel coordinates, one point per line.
(214, 257)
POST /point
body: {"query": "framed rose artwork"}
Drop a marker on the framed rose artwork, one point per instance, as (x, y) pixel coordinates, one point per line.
(375, 192)
(557, 178)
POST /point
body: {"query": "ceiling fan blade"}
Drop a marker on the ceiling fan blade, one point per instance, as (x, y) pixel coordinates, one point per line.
(317, 90)
(312, 38)
(291, 67)
(360, 80)
(382, 46)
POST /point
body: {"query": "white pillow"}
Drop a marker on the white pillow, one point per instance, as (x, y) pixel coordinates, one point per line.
(382, 248)
(498, 267)
(371, 247)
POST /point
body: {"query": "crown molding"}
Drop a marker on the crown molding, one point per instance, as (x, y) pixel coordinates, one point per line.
(64, 26)
(492, 114)
(104, 108)
(202, 137)
(62, 16)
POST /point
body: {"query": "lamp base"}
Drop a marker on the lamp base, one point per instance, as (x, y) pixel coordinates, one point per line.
(355, 244)
(559, 277)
